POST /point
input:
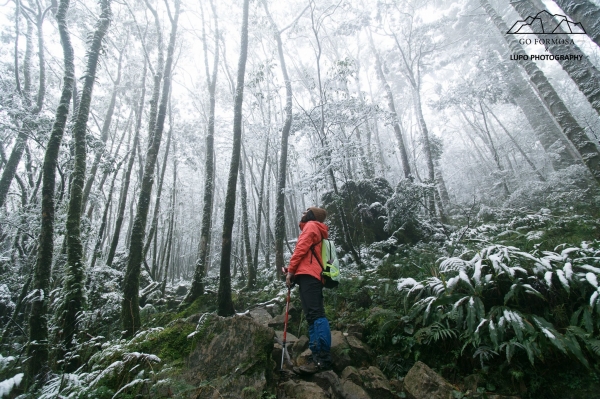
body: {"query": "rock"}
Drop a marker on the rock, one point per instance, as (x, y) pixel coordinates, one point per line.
(329, 382)
(290, 339)
(261, 316)
(232, 359)
(274, 309)
(301, 345)
(303, 358)
(350, 373)
(278, 322)
(181, 290)
(301, 390)
(423, 383)
(361, 353)
(340, 351)
(376, 384)
(351, 390)
(355, 330)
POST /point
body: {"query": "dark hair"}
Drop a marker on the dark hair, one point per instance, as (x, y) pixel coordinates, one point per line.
(309, 216)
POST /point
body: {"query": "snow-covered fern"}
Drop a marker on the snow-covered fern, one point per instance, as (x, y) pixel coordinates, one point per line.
(500, 298)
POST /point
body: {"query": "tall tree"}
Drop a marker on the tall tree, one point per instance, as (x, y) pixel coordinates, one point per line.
(392, 108)
(201, 264)
(245, 229)
(10, 169)
(225, 303)
(586, 12)
(283, 152)
(127, 172)
(585, 75)
(571, 128)
(74, 285)
(130, 308)
(37, 347)
(105, 129)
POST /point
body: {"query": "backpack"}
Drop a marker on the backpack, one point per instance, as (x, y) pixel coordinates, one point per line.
(330, 265)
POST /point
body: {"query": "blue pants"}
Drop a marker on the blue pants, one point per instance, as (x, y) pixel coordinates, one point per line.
(311, 296)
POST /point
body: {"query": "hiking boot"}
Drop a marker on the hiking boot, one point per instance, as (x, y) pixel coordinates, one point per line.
(309, 368)
(323, 360)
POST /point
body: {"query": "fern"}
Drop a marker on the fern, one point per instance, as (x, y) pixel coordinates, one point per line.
(465, 298)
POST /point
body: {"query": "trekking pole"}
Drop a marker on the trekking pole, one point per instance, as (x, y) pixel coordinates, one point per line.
(285, 323)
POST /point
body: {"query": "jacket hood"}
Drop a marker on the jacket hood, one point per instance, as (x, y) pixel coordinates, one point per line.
(321, 226)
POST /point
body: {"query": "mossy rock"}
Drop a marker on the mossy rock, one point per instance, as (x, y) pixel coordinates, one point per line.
(233, 357)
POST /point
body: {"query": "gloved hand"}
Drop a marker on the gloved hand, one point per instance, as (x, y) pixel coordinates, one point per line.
(288, 279)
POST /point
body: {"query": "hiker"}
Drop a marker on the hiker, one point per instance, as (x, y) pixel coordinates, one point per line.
(305, 271)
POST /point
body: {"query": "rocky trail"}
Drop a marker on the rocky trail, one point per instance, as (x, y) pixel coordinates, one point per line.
(239, 357)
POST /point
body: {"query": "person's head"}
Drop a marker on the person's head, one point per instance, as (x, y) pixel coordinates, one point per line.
(314, 213)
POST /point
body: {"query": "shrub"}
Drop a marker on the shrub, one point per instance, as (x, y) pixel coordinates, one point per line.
(504, 300)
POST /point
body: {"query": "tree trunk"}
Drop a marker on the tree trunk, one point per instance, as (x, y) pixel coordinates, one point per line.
(285, 132)
(16, 53)
(158, 76)
(171, 224)
(261, 196)
(97, 248)
(585, 75)
(574, 132)
(127, 175)
(392, 108)
(543, 124)
(130, 309)
(246, 234)
(37, 347)
(585, 12)
(158, 196)
(104, 133)
(201, 264)
(521, 151)
(225, 303)
(74, 284)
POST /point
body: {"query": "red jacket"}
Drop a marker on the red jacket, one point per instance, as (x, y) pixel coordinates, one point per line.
(303, 261)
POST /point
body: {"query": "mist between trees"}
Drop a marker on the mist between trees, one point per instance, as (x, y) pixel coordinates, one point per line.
(155, 152)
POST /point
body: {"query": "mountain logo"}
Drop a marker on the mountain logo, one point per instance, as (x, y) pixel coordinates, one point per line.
(545, 23)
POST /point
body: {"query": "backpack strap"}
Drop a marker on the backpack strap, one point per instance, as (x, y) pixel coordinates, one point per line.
(312, 248)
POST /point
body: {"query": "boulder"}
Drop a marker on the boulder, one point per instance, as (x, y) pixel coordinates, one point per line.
(423, 383)
(301, 390)
(376, 384)
(355, 330)
(361, 353)
(290, 339)
(329, 381)
(273, 308)
(354, 391)
(350, 373)
(301, 345)
(277, 347)
(278, 322)
(181, 290)
(340, 351)
(232, 359)
(276, 356)
(303, 358)
(261, 316)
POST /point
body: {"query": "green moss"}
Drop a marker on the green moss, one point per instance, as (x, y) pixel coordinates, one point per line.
(171, 344)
